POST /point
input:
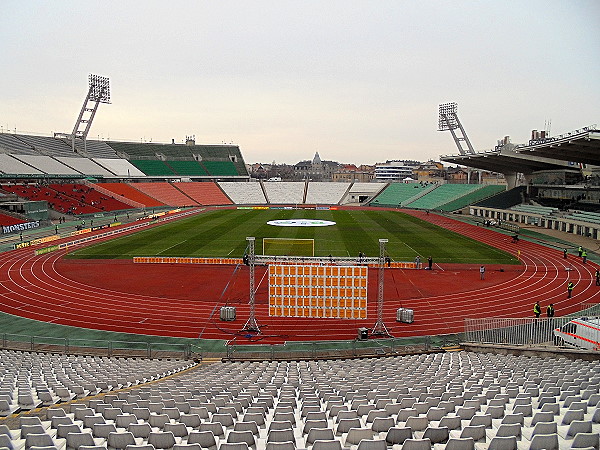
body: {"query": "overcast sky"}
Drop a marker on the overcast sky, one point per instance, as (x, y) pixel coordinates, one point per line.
(357, 81)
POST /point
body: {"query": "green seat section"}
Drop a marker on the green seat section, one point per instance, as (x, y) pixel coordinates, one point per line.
(220, 168)
(153, 167)
(441, 195)
(505, 199)
(224, 155)
(472, 197)
(396, 193)
(190, 168)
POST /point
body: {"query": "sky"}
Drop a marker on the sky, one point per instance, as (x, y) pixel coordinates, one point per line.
(357, 81)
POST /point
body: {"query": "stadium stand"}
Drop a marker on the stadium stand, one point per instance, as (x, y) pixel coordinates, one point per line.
(153, 167)
(445, 400)
(12, 166)
(285, 192)
(585, 216)
(46, 164)
(87, 194)
(60, 202)
(397, 193)
(125, 190)
(32, 379)
(187, 168)
(325, 193)
(218, 152)
(544, 210)
(506, 199)
(85, 166)
(441, 195)
(46, 145)
(13, 144)
(9, 220)
(244, 193)
(205, 193)
(472, 197)
(119, 167)
(165, 193)
(220, 168)
(95, 149)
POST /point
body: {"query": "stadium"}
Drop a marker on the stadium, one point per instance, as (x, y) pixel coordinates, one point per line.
(154, 296)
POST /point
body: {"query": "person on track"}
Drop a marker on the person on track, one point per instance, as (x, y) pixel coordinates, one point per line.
(430, 262)
(550, 310)
(537, 310)
(584, 256)
(597, 277)
(565, 253)
(570, 286)
(482, 272)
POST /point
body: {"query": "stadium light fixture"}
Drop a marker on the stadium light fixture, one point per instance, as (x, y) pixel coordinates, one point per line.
(447, 118)
(99, 88)
(448, 121)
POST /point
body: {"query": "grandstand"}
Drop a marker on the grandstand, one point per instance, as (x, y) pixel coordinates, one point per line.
(485, 191)
(153, 168)
(244, 193)
(9, 220)
(506, 199)
(396, 194)
(326, 193)
(46, 164)
(125, 190)
(448, 401)
(285, 192)
(40, 155)
(165, 193)
(441, 195)
(9, 165)
(85, 166)
(206, 193)
(121, 168)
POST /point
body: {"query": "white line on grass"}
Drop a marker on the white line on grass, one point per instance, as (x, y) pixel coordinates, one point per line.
(174, 245)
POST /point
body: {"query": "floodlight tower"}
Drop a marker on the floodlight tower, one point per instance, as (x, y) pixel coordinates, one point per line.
(98, 92)
(251, 324)
(448, 120)
(379, 329)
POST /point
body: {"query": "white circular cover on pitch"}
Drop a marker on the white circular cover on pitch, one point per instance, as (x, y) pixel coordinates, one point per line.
(301, 223)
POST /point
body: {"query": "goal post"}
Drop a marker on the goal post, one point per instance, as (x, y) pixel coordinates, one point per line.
(288, 247)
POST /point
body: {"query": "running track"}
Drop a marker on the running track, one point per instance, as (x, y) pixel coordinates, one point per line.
(169, 300)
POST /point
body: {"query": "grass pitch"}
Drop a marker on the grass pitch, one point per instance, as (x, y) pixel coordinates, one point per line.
(223, 234)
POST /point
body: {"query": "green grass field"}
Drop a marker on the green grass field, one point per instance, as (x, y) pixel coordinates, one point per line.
(223, 233)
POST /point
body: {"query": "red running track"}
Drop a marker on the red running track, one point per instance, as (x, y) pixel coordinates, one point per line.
(184, 300)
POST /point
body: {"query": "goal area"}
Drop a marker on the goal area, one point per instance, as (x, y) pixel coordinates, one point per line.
(288, 247)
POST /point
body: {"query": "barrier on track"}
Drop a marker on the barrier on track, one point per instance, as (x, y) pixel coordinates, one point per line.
(201, 260)
(184, 260)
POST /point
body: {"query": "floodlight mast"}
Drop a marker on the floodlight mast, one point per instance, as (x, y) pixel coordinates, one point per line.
(379, 329)
(98, 92)
(251, 324)
(448, 120)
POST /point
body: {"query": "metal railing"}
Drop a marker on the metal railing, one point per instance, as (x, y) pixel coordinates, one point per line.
(528, 331)
(340, 349)
(112, 348)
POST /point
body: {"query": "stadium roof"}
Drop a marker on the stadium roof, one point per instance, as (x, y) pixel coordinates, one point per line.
(554, 153)
(506, 161)
(580, 146)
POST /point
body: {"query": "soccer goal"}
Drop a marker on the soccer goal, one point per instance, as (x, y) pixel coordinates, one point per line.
(288, 247)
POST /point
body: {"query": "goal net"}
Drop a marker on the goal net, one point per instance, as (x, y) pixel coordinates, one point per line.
(288, 247)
